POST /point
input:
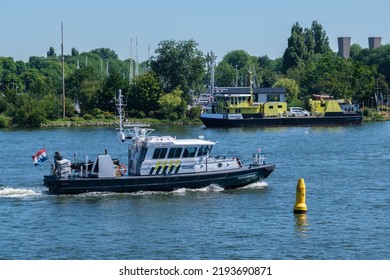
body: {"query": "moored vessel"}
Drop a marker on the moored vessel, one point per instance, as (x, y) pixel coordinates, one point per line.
(240, 110)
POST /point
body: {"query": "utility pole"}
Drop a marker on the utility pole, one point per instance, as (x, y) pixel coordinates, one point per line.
(148, 57)
(63, 71)
(236, 76)
(212, 82)
(131, 61)
(136, 56)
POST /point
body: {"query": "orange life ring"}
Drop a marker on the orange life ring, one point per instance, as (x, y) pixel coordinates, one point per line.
(121, 169)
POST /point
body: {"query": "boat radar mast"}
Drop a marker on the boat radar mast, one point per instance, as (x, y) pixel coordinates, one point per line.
(136, 132)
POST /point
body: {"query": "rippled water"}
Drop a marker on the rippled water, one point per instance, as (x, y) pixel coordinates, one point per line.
(348, 198)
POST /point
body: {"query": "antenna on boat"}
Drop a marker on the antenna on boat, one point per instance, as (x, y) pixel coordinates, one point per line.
(119, 106)
(213, 58)
(250, 85)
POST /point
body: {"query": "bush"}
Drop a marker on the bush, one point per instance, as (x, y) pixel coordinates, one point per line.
(173, 116)
(194, 112)
(88, 117)
(4, 121)
(96, 112)
(73, 119)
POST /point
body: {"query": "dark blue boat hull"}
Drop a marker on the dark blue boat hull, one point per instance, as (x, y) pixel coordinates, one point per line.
(283, 121)
(227, 180)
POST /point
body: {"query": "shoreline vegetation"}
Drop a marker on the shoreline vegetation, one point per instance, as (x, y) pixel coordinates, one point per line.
(80, 122)
(369, 115)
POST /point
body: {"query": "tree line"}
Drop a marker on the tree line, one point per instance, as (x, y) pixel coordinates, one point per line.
(163, 86)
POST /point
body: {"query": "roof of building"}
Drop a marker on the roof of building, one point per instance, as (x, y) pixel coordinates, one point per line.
(246, 90)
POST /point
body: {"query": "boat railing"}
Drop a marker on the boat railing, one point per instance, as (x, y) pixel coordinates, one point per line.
(258, 159)
(223, 159)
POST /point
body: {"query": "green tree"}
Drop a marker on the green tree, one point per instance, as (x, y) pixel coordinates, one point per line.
(321, 40)
(87, 95)
(28, 112)
(225, 75)
(35, 83)
(296, 51)
(105, 98)
(237, 64)
(84, 85)
(52, 104)
(380, 57)
(239, 58)
(105, 53)
(74, 52)
(292, 89)
(269, 70)
(144, 93)
(178, 64)
(170, 103)
(363, 80)
(308, 38)
(342, 78)
(302, 44)
(51, 52)
(355, 50)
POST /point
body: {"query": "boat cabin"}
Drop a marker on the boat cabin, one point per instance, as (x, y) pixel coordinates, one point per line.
(165, 155)
(234, 104)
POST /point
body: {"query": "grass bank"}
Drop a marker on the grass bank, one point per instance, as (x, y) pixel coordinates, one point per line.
(80, 122)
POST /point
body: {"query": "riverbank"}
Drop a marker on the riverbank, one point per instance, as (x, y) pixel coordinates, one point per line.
(99, 122)
(80, 122)
(373, 115)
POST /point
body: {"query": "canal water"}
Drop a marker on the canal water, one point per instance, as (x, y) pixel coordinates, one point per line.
(346, 171)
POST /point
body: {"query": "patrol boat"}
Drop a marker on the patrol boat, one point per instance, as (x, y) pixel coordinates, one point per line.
(155, 163)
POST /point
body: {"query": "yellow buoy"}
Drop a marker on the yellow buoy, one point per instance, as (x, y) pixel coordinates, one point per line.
(300, 202)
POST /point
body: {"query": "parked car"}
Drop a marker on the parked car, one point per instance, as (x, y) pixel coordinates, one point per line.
(297, 112)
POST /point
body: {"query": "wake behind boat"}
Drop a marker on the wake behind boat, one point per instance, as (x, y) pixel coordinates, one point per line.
(155, 163)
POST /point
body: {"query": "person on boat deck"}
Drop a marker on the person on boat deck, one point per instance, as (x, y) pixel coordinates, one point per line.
(57, 156)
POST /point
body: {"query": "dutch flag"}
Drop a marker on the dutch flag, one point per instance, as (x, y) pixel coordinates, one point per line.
(40, 156)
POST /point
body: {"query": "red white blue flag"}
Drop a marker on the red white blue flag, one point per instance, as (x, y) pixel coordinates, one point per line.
(40, 156)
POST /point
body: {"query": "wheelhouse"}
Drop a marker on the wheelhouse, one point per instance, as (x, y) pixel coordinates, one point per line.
(165, 155)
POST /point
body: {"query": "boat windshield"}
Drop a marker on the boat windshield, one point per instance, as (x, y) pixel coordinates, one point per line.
(203, 151)
(189, 152)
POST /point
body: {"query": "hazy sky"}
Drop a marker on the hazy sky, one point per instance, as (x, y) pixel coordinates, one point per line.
(29, 28)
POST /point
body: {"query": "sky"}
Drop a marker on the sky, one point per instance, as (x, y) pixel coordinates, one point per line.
(260, 27)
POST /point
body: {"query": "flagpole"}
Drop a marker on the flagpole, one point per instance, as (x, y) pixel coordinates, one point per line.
(48, 158)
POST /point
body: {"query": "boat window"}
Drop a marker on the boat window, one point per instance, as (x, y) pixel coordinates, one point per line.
(189, 152)
(159, 153)
(174, 152)
(144, 151)
(171, 153)
(203, 151)
(178, 152)
(163, 152)
(271, 107)
(200, 151)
